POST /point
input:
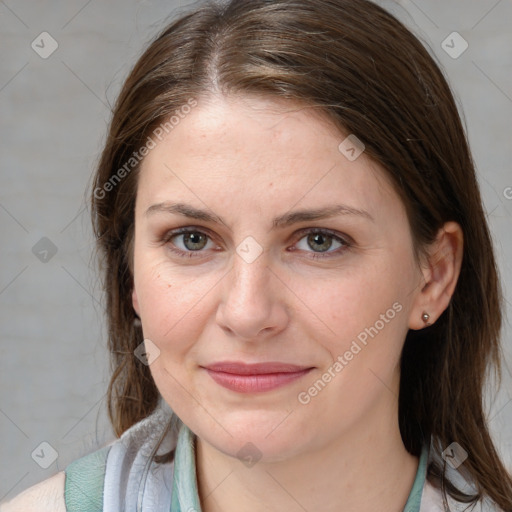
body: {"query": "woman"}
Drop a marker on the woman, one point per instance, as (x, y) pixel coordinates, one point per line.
(297, 265)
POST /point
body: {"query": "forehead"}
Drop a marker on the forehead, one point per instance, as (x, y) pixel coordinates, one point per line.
(271, 153)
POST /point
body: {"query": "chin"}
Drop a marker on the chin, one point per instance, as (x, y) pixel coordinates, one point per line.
(253, 434)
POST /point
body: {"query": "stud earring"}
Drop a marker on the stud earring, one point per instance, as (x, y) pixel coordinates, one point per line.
(425, 317)
(137, 322)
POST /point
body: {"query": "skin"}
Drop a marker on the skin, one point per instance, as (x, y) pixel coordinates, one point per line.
(249, 160)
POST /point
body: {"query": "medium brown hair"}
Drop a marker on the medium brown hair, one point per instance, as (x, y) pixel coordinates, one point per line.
(372, 77)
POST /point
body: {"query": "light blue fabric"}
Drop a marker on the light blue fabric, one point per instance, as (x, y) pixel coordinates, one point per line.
(134, 482)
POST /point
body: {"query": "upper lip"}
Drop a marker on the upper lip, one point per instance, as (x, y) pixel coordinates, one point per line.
(240, 368)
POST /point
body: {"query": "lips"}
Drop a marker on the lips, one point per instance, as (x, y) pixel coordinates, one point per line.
(257, 377)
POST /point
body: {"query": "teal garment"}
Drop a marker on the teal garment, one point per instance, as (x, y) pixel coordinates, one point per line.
(185, 495)
(414, 501)
(85, 479)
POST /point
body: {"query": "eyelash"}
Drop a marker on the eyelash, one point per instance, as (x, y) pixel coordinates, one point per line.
(303, 232)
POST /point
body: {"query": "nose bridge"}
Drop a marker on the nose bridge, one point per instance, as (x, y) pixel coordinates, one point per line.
(249, 282)
(250, 303)
(250, 270)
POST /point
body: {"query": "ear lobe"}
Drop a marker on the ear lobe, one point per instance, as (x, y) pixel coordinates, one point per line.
(135, 302)
(444, 264)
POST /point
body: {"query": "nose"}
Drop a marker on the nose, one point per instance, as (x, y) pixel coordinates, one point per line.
(253, 304)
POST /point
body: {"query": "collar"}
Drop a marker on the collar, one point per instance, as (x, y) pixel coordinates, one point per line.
(414, 501)
(185, 495)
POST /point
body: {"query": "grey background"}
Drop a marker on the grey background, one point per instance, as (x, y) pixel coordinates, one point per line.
(53, 116)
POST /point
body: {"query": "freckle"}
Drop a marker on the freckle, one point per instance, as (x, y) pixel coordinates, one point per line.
(169, 285)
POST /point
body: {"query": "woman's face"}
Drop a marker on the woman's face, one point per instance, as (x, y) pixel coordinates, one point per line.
(266, 275)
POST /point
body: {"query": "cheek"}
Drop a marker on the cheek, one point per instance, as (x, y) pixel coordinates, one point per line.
(170, 301)
(343, 305)
(364, 318)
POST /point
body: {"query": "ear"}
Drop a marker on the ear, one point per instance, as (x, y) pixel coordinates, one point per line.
(441, 275)
(135, 302)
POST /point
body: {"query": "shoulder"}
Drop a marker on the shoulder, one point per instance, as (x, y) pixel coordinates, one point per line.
(119, 464)
(66, 488)
(56, 493)
(46, 496)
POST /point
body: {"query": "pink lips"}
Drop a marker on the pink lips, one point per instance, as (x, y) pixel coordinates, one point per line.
(253, 378)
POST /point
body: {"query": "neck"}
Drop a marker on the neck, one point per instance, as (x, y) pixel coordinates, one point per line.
(364, 470)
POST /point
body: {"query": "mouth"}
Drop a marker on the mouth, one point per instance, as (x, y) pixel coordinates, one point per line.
(255, 378)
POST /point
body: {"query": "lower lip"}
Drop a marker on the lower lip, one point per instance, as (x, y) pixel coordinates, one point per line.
(255, 383)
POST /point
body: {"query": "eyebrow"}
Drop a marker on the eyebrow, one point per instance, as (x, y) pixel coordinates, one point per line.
(279, 222)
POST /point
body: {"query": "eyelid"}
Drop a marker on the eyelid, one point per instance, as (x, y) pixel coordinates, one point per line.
(201, 229)
(347, 241)
(187, 229)
(335, 234)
